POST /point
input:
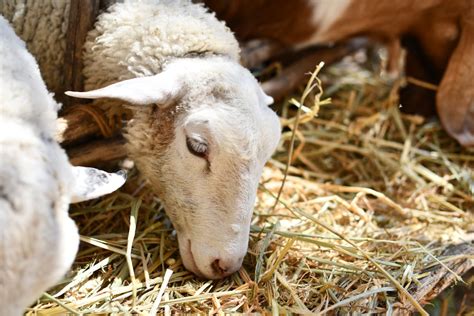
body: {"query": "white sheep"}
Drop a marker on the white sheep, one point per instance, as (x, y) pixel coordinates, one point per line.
(38, 240)
(202, 129)
(43, 26)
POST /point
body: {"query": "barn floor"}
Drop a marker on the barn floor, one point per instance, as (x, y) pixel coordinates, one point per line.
(375, 216)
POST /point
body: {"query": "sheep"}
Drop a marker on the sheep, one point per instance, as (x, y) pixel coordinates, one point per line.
(38, 240)
(43, 26)
(202, 128)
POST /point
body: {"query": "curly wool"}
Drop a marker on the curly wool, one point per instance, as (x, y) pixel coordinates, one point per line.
(136, 39)
(43, 26)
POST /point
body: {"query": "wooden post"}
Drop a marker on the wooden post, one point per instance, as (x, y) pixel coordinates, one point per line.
(82, 17)
(98, 153)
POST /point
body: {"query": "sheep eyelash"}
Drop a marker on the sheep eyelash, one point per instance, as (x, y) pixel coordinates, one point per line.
(197, 146)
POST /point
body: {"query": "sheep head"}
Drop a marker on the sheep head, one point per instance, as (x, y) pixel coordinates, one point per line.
(201, 134)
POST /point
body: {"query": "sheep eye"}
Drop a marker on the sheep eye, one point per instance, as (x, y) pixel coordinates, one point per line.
(197, 146)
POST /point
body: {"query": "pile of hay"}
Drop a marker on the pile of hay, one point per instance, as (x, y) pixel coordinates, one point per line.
(375, 215)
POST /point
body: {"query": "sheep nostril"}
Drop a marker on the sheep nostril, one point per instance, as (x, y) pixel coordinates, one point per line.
(216, 266)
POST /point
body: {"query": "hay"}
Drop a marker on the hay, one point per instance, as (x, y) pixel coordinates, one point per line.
(375, 215)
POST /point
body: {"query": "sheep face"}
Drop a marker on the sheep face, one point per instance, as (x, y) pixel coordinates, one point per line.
(202, 145)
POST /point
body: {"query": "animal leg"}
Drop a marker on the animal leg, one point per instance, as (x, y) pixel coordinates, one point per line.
(256, 52)
(455, 97)
(394, 49)
(293, 75)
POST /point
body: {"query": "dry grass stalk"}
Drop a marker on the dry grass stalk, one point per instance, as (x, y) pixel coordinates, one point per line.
(376, 210)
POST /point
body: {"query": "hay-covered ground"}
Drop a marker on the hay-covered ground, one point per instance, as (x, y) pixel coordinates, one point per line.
(375, 214)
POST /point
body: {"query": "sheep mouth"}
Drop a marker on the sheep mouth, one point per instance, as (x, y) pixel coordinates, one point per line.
(194, 267)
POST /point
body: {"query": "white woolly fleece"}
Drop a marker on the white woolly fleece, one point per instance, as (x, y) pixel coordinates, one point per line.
(42, 24)
(23, 94)
(136, 38)
(38, 240)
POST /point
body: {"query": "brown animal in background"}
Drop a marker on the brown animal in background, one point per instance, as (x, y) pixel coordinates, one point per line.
(444, 29)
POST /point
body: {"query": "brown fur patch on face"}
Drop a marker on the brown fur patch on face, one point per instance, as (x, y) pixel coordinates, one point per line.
(149, 135)
(152, 129)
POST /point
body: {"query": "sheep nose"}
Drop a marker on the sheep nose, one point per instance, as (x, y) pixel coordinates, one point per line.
(224, 267)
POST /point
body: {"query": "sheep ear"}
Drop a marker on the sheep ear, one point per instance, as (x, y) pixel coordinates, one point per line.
(91, 183)
(265, 98)
(160, 89)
